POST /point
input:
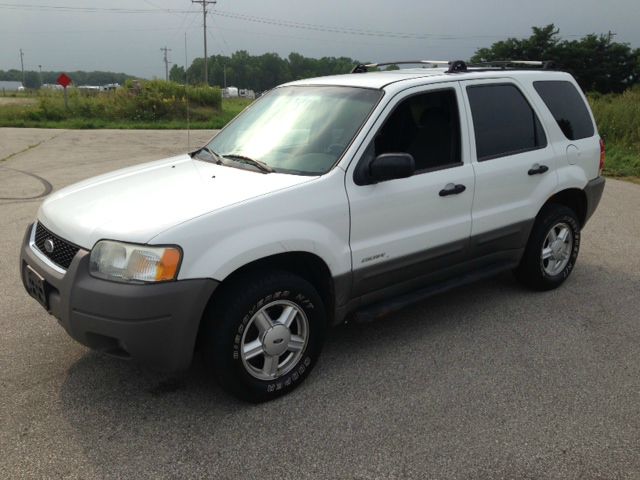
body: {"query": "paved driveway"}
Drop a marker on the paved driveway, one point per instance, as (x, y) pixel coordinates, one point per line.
(488, 381)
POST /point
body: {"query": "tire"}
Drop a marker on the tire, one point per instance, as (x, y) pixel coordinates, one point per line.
(246, 329)
(538, 272)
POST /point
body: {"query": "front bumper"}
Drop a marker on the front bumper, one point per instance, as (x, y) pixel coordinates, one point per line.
(156, 324)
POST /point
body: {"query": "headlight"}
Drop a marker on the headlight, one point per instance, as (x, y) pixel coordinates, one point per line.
(134, 263)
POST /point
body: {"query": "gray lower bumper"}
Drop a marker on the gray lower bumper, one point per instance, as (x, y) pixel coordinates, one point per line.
(156, 324)
(593, 191)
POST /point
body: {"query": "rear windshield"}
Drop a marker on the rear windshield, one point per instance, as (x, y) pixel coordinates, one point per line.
(567, 107)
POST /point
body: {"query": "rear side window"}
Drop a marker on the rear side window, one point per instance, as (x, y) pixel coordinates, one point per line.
(567, 107)
(503, 121)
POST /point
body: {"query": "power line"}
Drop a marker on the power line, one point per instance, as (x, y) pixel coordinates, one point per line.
(204, 4)
(263, 20)
(344, 30)
(63, 8)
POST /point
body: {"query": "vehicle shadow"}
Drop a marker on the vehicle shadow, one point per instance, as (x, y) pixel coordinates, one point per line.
(464, 346)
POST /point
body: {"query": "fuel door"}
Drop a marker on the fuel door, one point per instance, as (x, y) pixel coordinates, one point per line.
(573, 154)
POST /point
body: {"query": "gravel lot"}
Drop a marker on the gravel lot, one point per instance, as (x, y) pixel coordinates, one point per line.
(488, 381)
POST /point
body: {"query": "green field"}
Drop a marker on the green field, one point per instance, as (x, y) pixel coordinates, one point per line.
(140, 104)
(163, 105)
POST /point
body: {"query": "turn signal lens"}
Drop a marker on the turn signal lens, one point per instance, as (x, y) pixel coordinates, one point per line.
(168, 267)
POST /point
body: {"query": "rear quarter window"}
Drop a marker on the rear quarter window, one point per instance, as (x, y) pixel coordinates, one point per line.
(567, 107)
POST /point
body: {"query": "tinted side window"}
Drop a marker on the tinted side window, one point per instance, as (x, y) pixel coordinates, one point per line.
(503, 121)
(567, 107)
(427, 126)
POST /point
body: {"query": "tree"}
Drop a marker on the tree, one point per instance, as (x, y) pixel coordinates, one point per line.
(177, 74)
(597, 63)
(541, 45)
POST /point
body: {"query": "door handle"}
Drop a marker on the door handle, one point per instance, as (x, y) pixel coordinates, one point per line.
(451, 189)
(538, 169)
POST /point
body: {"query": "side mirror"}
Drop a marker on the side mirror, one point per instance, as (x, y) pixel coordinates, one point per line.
(390, 166)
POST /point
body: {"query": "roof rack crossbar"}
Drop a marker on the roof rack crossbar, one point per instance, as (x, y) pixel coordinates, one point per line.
(459, 66)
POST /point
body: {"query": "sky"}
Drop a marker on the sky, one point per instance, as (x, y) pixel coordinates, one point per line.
(127, 35)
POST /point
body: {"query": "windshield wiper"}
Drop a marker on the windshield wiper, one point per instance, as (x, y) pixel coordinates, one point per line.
(256, 163)
(217, 158)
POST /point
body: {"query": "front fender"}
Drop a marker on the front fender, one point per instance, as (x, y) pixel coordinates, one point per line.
(228, 254)
(312, 217)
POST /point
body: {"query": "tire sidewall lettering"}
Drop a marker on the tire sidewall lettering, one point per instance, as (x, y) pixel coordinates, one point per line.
(575, 230)
(297, 374)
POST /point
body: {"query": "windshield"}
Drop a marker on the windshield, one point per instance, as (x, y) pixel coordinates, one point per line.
(301, 130)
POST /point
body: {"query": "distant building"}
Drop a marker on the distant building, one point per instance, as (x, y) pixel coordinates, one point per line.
(7, 86)
(230, 92)
(235, 92)
(246, 93)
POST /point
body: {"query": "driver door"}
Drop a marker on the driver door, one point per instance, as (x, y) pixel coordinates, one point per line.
(412, 231)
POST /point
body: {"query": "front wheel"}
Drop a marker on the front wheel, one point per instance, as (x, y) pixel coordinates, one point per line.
(264, 334)
(552, 250)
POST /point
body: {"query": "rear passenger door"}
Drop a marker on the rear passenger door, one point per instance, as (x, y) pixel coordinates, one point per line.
(514, 166)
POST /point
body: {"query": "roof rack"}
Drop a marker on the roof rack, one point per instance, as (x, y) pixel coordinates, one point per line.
(364, 68)
(513, 64)
(459, 66)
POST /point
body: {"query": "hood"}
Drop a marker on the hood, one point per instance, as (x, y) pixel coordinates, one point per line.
(137, 203)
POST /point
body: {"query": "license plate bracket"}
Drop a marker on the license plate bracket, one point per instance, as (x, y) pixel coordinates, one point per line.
(37, 286)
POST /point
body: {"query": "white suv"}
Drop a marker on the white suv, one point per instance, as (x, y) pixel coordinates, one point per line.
(335, 197)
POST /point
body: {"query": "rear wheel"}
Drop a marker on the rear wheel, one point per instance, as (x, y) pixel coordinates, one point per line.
(264, 334)
(552, 249)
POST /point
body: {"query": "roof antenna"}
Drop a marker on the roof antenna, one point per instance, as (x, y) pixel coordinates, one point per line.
(186, 92)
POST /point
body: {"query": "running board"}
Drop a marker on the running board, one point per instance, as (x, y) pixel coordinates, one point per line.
(382, 309)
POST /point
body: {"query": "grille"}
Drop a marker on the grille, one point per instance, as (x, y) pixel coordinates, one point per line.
(63, 251)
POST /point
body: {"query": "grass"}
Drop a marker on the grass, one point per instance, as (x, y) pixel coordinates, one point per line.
(618, 118)
(145, 104)
(213, 119)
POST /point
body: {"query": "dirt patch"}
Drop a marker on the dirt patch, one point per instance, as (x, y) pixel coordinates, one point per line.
(17, 101)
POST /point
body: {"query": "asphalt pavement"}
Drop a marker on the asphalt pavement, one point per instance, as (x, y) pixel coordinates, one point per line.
(487, 381)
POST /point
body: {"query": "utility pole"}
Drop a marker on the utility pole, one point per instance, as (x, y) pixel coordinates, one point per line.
(40, 69)
(204, 4)
(166, 62)
(22, 65)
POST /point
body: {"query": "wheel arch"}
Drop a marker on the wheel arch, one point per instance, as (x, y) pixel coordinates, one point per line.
(573, 198)
(304, 264)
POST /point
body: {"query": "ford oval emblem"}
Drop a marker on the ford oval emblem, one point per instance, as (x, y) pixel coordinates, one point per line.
(49, 245)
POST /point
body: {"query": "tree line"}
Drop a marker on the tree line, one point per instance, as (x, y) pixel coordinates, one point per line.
(597, 62)
(260, 72)
(33, 79)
